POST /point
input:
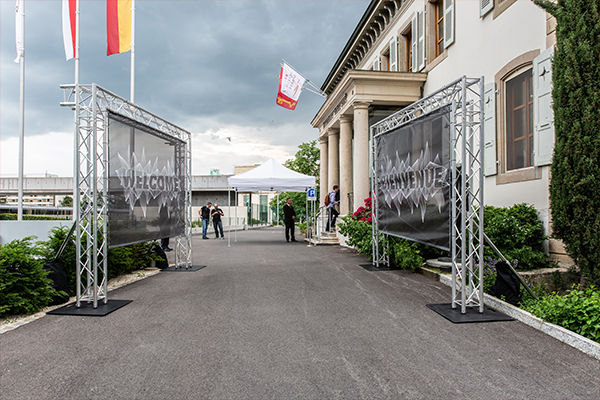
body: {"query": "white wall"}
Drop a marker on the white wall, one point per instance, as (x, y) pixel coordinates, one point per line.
(11, 230)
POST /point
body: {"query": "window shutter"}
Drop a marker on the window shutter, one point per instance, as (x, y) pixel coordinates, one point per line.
(485, 6)
(489, 130)
(414, 41)
(420, 40)
(543, 138)
(394, 54)
(448, 22)
(377, 64)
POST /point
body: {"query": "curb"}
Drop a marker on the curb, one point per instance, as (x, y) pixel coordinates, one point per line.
(566, 336)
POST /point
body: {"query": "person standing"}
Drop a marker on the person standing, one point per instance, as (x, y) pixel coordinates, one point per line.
(205, 215)
(333, 201)
(289, 217)
(165, 228)
(216, 215)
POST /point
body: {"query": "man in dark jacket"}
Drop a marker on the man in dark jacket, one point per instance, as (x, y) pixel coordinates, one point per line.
(289, 217)
(205, 215)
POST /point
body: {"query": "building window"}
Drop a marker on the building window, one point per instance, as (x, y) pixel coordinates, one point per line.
(385, 61)
(408, 53)
(519, 121)
(439, 28)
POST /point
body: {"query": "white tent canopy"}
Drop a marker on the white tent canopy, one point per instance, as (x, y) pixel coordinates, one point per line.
(271, 176)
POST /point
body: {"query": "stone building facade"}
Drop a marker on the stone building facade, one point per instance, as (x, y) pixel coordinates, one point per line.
(403, 50)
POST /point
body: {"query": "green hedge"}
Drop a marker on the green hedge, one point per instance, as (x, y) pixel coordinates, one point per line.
(33, 217)
(121, 260)
(24, 286)
(518, 234)
(578, 311)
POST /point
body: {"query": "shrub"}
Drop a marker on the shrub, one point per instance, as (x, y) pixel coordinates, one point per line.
(121, 260)
(518, 234)
(404, 253)
(33, 217)
(52, 245)
(124, 260)
(302, 227)
(577, 311)
(24, 286)
(359, 234)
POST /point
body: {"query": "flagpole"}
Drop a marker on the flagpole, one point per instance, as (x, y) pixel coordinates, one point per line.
(76, 200)
(132, 90)
(77, 49)
(21, 110)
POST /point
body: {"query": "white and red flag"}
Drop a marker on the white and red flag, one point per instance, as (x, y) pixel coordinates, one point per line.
(290, 87)
(69, 8)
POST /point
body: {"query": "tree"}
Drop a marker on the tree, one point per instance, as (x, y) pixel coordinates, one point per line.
(575, 185)
(67, 201)
(305, 161)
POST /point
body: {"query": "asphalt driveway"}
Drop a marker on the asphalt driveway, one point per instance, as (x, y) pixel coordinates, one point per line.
(268, 319)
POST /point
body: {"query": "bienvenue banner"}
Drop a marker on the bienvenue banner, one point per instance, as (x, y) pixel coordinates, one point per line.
(413, 180)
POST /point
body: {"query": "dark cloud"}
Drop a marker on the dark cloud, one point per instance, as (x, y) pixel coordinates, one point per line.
(208, 64)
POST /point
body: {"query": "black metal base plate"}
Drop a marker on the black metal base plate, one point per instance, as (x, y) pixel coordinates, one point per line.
(472, 315)
(191, 268)
(87, 309)
(371, 267)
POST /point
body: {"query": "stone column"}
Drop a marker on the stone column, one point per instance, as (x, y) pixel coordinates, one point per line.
(334, 158)
(361, 154)
(324, 168)
(345, 164)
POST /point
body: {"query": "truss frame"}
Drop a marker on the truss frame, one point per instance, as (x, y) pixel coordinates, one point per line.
(465, 96)
(91, 104)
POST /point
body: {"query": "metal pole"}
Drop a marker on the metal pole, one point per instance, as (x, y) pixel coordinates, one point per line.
(481, 185)
(94, 199)
(306, 212)
(21, 111)
(235, 230)
(77, 211)
(229, 206)
(463, 203)
(132, 89)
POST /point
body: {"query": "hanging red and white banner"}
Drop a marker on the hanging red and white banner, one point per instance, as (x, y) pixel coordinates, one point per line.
(69, 8)
(290, 87)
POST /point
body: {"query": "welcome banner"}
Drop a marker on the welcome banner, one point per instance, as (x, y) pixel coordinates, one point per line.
(290, 87)
(146, 183)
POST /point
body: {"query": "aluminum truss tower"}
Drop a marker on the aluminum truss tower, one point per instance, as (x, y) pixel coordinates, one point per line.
(91, 104)
(465, 97)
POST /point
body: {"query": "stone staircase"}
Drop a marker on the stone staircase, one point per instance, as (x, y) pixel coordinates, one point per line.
(325, 238)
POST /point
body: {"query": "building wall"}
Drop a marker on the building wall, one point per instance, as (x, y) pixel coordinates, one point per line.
(493, 47)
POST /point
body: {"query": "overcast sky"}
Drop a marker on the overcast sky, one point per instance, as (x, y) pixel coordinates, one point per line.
(210, 67)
